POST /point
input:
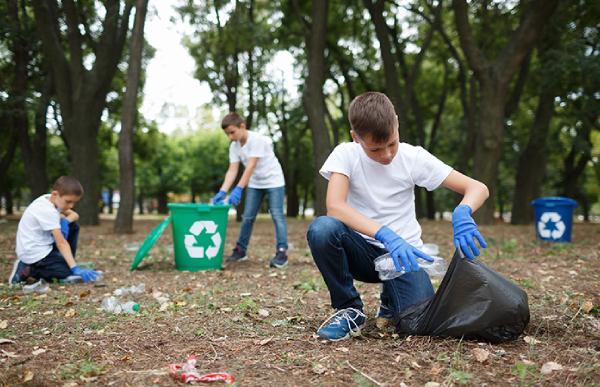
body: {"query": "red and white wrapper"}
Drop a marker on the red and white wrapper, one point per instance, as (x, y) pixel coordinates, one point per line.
(188, 373)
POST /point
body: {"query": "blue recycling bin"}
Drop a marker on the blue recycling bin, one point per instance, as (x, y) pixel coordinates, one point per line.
(554, 218)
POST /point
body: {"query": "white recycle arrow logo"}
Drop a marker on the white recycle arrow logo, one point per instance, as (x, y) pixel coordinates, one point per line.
(551, 225)
(200, 251)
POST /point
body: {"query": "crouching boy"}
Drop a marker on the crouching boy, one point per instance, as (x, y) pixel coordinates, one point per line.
(47, 236)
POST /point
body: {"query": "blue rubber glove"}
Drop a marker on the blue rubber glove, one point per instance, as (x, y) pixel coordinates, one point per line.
(400, 249)
(64, 227)
(465, 230)
(219, 197)
(236, 196)
(86, 275)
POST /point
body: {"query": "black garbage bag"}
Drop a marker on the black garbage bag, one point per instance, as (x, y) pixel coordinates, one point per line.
(473, 302)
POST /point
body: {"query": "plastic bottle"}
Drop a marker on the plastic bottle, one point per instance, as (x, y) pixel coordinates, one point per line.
(384, 264)
(134, 289)
(39, 287)
(113, 305)
(75, 279)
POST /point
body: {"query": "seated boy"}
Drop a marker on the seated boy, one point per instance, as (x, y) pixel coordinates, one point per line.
(371, 211)
(47, 236)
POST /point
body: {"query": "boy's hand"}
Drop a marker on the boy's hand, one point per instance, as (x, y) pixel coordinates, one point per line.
(400, 249)
(236, 195)
(218, 198)
(64, 227)
(86, 275)
(465, 230)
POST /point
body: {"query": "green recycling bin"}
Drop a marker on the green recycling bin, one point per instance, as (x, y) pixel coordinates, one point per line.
(198, 235)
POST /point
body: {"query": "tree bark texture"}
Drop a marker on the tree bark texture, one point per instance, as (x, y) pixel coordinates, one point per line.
(124, 220)
(80, 92)
(314, 100)
(494, 77)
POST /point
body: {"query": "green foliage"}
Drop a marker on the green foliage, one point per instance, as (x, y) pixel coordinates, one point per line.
(84, 369)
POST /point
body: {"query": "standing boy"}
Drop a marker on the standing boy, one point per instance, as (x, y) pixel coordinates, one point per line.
(262, 175)
(47, 236)
(371, 211)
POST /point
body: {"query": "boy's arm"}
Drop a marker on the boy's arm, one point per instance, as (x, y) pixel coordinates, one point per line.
(230, 176)
(463, 226)
(403, 254)
(338, 207)
(474, 192)
(248, 171)
(63, 246)
(70, 215)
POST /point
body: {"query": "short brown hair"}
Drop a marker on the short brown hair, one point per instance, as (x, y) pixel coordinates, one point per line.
(67, 185)
(231, 119)
(373, 114)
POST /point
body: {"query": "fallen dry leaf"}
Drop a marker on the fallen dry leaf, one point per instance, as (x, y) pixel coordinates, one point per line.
(549, 367)
(319, 369)
(264, 341)
(9, 354)
(28, 376)
(3, 324)
(531, 340)
(481, 355)
(6, 341)
(342, 349)
(70, 313)
(587, 306)
(263, 313)
(85, 293)
(38, 351)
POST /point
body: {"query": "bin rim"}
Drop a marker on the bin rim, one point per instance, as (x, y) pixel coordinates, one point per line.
(196, 205)
(149, 243)
(553, 201)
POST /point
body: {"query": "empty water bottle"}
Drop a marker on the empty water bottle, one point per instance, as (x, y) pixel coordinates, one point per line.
(134, 289)
(39, 287)
(113, 305)
(384, 264)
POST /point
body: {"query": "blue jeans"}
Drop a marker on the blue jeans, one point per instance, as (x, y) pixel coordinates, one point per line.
(53, 266)
(342, 255)
(254, 197)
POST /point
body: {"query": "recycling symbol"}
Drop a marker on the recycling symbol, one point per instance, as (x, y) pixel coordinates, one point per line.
(199, 251)
(551, 225)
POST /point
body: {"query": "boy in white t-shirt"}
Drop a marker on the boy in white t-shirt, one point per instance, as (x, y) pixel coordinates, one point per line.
(371, 211)
(262, 176)
(47, 236)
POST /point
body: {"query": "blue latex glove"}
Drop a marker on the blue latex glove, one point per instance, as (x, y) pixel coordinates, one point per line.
(465, 230)
(236, 195)
(64, 227)
(219, 197)
(400, 249)
(86, 275)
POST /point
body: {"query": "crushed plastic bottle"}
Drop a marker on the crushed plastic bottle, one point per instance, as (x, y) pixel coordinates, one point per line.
(384, 264)
(113, 305)
(188, 373)
(134, 289)
(39, 287)
(75, 279)
(430, 249)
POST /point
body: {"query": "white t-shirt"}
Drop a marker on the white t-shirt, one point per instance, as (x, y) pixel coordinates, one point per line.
(34, 234)
(268, 172)
(385, 193)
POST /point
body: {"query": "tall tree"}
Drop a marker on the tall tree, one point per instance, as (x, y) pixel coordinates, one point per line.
(33, 150)
(124, 220)
(81, 88)
(494, 76)
(313, 98)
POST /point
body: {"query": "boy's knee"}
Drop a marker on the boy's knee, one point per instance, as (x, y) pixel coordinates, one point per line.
(321, 229)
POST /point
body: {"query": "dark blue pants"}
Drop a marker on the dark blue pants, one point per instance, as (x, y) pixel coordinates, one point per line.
(342, 255)
(54, 266)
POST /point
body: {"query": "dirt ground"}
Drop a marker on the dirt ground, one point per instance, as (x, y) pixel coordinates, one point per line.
(258, 323)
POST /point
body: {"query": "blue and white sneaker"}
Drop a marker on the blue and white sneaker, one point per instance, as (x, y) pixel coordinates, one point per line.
(19, 273)
(342, 324)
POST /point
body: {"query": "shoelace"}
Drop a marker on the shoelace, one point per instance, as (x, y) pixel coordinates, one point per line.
(343, 314)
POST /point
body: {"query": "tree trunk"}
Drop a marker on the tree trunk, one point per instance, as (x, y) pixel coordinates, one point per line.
(532, 162)
(80, 92)
(162, 202)
(314, 101)
(124, 221)
(140, 201)
(494, 77)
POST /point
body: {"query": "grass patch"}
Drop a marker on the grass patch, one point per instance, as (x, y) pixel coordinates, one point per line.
(84, 369)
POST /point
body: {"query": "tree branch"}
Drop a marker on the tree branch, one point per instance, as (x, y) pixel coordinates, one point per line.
(477, 61)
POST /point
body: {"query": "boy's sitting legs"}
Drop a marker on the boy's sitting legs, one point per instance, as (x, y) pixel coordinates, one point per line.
(401, 292)
(52, 267)
(342, 255)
